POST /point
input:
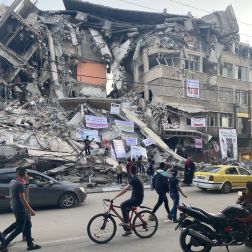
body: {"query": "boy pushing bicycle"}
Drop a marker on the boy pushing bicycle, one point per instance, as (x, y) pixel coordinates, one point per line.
(136, 198)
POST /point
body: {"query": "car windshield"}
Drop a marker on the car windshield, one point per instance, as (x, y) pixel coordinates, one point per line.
(211, 169)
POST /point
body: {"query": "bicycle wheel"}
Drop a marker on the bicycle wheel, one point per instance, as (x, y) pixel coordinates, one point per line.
(101, 228)
(145, 224)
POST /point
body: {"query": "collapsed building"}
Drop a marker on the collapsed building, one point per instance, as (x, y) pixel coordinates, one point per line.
(167, 71)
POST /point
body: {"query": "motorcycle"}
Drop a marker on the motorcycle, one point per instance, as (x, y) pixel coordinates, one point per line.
(203, 231)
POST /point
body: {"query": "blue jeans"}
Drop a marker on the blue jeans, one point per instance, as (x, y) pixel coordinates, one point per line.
(175, 198)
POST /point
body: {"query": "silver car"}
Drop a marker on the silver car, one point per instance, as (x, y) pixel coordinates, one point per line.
(43, 190)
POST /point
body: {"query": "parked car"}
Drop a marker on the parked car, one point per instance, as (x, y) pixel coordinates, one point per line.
(222, 177)
(43, 190)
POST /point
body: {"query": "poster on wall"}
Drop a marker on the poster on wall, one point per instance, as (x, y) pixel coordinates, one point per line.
(198, 143)
(96, 122)
(115, 109)
(192, 88)
(137, 151)
(228, 143)
(198, 122)
(119, 149)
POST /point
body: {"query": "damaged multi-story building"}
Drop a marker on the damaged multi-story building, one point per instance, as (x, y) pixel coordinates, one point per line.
(182, 67)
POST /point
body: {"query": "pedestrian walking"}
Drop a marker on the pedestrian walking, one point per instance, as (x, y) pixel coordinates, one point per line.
(160, 182)
(189, 171)
(150, 169)
(119, 172)
(140, 167)
(174, 193)
(22, 211)
(128, 166)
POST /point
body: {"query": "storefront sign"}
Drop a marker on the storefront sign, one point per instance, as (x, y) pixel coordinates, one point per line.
(119, 149)
(96, 122)
(115, 109)
(197, 122)
(198, 143)
(192, 88)
(137, 151)
(127, 126)
(228, 143)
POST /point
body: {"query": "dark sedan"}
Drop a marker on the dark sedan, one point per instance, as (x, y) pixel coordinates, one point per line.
(43, 190)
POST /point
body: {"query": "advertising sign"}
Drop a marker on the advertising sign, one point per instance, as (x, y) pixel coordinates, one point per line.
(192, 88)
(127, 126)
(198, 122)
(96, 122)
(228, 143)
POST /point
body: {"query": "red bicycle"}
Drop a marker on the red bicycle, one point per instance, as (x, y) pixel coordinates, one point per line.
(102, 227)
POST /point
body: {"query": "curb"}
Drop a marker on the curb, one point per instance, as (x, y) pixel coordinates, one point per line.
(109, 189)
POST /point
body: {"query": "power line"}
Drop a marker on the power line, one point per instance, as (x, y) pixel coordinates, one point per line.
(138, 5)
(187, 5)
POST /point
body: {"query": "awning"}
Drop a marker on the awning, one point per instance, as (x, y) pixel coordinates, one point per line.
(168, 133)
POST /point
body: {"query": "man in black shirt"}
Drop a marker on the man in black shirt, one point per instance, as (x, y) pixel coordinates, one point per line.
(136, 198)
(87, 143)
(21, 209)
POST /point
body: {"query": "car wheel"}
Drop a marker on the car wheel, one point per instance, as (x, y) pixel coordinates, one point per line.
(226, 188)
(67, 200)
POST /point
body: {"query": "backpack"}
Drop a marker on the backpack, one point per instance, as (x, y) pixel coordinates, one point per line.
(161, 183)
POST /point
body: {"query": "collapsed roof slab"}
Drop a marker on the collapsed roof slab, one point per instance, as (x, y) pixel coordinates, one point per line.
(130, 16)
(98, 103)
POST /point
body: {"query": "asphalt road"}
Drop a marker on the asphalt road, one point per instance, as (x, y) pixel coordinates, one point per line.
(65, 230)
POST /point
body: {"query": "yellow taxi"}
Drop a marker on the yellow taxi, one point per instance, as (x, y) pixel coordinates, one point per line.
(222, 177)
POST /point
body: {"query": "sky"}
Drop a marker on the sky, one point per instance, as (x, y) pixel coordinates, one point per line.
(199, 8)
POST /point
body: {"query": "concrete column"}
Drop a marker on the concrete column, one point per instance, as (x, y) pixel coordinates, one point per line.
(136, 77)
(146, 69)
(54, 71)
(201, 64)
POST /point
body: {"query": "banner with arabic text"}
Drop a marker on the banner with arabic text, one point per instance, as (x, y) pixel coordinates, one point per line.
(96, 122)
(127, 126)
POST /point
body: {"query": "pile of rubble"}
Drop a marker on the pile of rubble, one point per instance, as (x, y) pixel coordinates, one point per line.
(53, 137)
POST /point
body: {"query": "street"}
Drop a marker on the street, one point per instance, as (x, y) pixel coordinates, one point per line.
(65, 230)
